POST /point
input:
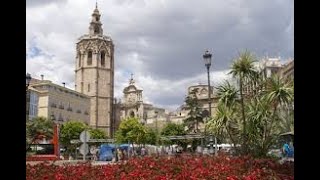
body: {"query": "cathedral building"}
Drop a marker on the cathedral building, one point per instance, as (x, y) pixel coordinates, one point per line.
(133, 106)
(94, 73)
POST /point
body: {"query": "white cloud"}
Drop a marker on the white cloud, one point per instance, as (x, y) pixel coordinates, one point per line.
(160, 42)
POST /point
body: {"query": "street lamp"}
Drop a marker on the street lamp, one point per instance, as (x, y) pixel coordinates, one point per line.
(207, 61)
(114, 117)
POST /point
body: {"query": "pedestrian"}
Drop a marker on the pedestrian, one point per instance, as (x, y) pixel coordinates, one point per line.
(287, 151)
(119, 154)
(143, 151)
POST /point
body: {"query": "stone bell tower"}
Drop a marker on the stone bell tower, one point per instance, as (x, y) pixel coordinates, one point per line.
(94, 71)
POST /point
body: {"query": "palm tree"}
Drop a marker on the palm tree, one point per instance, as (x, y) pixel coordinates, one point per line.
(286, 123)
(224, 122)
(227, 94)
(36, 128)
(243, 68)
(279, 93)
(259, 115)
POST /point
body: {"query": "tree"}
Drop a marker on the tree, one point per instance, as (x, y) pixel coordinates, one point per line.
(151, 136)
(243, 68)
(97, 134)
(279, 93)
(69, 131)
(172, 129)
(195, 114)
(37, 129)
(227, 94)
(130, 130)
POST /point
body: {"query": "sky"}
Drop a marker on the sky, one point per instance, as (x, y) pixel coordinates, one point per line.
(160, 41)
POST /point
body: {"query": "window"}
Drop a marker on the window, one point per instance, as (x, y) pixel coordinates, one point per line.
(88, 87)
(97, 18)
(89, 58)
(81, 88)
(61, 106)
(96, 29)
(79, 56)
(53, 105)
(102, 58)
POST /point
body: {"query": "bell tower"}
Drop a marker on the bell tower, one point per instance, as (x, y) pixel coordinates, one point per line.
(94, 71)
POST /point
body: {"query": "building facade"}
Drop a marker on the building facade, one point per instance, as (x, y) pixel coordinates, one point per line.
(60, 103)
(269, 67)
(33, 101)
(133, 106)
(287, 70)
(202, 94)
(94, 73)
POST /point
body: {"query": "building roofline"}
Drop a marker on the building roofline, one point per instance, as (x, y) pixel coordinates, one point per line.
(47, 82)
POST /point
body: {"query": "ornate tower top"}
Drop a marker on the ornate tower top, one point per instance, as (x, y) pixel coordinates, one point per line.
(95, 27)
(131, 81)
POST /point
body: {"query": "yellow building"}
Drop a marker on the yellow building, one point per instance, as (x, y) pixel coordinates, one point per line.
(60, 103)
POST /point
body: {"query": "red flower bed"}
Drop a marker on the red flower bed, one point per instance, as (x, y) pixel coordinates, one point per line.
(184, 167)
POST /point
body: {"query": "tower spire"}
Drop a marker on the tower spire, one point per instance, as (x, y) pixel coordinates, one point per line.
(131, 81)
(95, 27)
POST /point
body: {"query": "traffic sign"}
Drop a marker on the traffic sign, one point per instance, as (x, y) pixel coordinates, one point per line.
(84, 149)
(84, 136)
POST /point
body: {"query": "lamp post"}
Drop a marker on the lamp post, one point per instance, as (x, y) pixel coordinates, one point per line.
(114, 118)
(207, 61)
(28, 79)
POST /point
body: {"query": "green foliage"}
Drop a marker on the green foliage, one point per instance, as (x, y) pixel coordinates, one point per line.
(227, 94)
(37, 127)
(172, 129)
(243, 69)
(195, 113)
(69, 131)
(261, 114)
(97, 134)
(151, 136)
(130, 130)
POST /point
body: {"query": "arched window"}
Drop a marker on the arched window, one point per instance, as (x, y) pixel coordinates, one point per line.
(96, 30)
(102, 58)
(89, 58)
(88, 87)
(132, 114)
(79, 56)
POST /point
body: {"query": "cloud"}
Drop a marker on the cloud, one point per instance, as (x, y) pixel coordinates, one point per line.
(161, 42)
